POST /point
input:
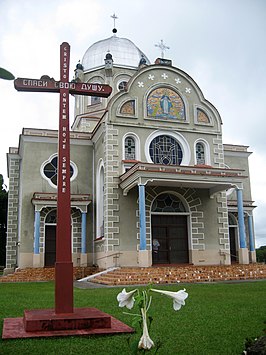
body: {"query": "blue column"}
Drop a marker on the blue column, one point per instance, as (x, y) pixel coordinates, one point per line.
(250, 232)
(37, 233)
(83, 232)
(142, 217)
(241, 223)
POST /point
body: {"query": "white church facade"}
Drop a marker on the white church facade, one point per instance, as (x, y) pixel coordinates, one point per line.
(152, 182)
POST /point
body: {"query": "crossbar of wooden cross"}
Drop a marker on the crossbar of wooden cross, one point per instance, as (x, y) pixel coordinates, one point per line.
(63, 264)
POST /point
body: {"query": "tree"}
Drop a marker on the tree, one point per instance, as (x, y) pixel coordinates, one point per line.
(261, 254)
(3, 220)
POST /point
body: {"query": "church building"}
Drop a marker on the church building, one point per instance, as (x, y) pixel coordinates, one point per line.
(152, 182)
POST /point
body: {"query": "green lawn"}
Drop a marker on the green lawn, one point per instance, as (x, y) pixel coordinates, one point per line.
(216, 319)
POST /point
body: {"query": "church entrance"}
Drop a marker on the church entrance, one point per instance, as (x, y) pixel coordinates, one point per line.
(169, 239)
(50, 239)
(50, 246)
(232, 244)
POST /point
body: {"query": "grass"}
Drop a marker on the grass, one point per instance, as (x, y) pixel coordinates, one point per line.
(216, 319)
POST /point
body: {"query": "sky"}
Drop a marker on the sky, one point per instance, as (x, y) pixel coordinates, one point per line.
(219, 43)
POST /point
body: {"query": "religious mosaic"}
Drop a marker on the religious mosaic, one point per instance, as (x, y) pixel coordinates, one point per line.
(165, 103)
(202, 117)
(128, 108)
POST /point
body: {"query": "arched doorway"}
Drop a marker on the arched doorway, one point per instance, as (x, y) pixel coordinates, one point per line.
(169, 230)
(50, 239)
(232, 237)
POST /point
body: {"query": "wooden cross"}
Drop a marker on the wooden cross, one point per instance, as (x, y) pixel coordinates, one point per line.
(63, 265)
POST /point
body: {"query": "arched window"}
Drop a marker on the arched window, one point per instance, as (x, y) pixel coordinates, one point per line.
(100, 201)
(51, 217)
(168, 203)
(94, 100)
(165, 150)
(130, 148)
(200, 154)
(122, 85)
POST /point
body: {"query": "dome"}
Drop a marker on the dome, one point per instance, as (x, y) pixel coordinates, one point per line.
(124, 53)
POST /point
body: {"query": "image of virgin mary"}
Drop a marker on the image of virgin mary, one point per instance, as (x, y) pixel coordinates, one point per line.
(165, 104)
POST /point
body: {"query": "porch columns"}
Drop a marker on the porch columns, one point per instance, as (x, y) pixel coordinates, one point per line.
(36, 248)
(251, 240)
(83, 232)
(143, 254)
(83, 257)
(243, 251)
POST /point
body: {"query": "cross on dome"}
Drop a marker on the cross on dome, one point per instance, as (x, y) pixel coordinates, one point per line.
(114, 17)
(162, 47)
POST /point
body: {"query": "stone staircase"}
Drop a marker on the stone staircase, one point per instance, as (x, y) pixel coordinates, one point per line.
(154, 275)
(171, 274)
(45, 274)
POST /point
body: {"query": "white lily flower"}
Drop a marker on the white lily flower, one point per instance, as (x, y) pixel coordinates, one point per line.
(126, 298)
(145, 340)
(178, 297)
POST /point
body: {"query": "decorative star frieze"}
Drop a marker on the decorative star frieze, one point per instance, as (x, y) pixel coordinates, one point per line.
(151, 77)
(140, 84)
(177, 80)
(164, 75)
(188, 90)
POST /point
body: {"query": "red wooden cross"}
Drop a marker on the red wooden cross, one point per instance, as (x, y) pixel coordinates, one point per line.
(63, 265)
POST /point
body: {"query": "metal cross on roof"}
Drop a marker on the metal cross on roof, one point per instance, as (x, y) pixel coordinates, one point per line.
(114, 17)
(162, 47)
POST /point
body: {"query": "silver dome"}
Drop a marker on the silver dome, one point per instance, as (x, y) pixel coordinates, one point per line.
(124, 53)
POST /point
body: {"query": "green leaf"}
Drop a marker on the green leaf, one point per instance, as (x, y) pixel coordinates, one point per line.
(5, 74)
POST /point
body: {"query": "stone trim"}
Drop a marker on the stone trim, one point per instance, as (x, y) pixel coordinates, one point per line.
(218, 151)
(222, 220)
(12, 240)
(111, 191)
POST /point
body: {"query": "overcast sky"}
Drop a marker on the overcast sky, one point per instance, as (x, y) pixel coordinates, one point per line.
(219, 43)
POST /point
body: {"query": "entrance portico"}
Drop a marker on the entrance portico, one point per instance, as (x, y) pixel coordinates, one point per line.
(200, 186)
(44, 231)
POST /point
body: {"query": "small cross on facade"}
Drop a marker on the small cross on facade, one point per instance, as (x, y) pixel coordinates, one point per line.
(162, 47)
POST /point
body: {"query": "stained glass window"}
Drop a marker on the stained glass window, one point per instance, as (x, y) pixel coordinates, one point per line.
(50, 170)
(165, 150)
(168, 203)
(130, 148)
(200, 153)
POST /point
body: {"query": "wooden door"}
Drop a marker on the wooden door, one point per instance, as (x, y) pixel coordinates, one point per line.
(50, 246)
(169, 239)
